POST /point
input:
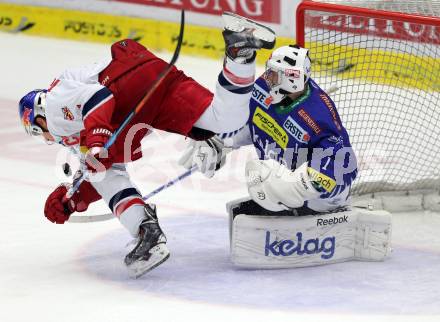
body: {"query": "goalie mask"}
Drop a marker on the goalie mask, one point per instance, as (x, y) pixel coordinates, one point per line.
(287, 71)
(31, 106)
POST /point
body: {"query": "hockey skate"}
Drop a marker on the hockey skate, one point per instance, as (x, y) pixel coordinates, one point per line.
(150, 250)
(243, 36)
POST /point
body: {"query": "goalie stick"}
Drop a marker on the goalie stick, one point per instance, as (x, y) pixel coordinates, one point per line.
(85, 219)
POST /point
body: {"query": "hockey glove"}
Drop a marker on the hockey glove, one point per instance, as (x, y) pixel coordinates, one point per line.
(98, 159)
(209, 156)
(275, 187)
(58, 209)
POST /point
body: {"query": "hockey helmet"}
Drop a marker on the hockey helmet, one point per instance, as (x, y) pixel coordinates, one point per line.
(30, 106)
(287, 71)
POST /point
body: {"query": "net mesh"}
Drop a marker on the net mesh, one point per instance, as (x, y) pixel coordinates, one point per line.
(420, 7)
(388, 75)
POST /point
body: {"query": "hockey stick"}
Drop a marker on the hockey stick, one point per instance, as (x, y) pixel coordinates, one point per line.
(108, 216)
(142, 102)
(170, 183)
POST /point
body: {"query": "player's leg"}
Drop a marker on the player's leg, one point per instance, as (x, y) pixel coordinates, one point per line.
(138, 218)
(190, 109)
(229, 109)
(150, 250)
(182, 105)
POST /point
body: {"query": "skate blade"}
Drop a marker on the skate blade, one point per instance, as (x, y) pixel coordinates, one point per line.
(238, 23)
(159, 254)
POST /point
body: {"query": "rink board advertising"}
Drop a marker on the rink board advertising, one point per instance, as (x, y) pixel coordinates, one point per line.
(265, 11)
(207, 41)
(98, 27)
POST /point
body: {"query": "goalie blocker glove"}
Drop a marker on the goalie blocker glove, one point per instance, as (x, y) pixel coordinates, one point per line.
(276, 188)
(208, 156)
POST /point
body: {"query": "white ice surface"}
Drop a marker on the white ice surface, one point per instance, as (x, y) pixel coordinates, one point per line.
(74, 272)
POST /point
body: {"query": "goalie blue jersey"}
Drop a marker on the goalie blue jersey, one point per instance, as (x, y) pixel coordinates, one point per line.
(307, 129)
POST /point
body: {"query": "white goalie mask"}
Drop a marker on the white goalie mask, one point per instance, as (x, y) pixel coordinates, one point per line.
(287, 71)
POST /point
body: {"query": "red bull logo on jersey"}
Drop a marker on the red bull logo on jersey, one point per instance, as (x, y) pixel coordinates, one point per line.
(296, 130)
(68, 115)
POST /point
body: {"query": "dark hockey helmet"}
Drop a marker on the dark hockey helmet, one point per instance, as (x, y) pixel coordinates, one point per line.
(30, 106)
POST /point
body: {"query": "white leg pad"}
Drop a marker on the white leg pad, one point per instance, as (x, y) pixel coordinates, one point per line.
(288, 241)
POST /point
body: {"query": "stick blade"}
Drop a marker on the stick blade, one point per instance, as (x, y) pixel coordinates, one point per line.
(79, 219)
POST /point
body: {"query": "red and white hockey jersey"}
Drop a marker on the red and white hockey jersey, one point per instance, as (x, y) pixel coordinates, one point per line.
(66, 98)
(95, 99)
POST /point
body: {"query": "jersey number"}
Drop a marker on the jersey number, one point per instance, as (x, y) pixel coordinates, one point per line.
(70, 140)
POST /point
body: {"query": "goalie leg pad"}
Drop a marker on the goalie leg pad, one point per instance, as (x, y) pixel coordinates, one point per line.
(287, 242)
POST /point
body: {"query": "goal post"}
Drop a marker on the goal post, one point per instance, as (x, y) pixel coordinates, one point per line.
(384, 58)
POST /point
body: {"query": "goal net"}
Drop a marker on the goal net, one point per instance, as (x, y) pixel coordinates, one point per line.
(384, 58)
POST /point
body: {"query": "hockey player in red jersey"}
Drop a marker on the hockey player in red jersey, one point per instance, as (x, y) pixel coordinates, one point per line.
(84, 106)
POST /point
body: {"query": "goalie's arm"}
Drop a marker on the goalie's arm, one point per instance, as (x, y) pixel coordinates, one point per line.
(237, 139)
(332, 166)
(210, 155)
